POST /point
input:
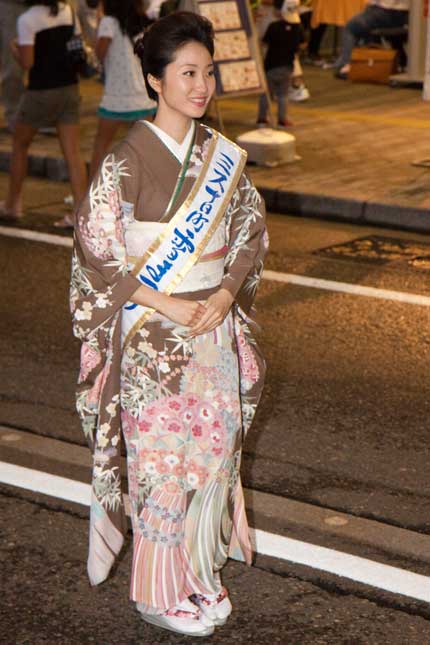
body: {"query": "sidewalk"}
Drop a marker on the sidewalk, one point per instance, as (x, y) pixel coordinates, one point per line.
(356, 142)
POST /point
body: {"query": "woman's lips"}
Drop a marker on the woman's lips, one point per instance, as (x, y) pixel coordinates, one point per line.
(199, 101)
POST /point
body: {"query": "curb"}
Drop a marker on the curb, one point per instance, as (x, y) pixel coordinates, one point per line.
(287, 202)
(346, 210)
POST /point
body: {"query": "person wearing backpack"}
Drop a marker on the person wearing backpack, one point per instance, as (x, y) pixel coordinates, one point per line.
(51, 97)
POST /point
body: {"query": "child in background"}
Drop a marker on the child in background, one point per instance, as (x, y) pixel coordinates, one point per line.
(125, 99)
(282, 38)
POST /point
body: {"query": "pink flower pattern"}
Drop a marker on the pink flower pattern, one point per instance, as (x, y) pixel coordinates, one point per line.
(248, 363)
(90, 358)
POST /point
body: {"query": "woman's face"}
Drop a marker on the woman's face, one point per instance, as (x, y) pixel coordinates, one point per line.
(188, 82)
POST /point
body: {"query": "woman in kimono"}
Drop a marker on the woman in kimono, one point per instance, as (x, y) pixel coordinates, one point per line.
(169, 248)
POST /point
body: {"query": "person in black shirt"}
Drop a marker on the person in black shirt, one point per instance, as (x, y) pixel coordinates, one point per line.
(283, 38)
(50, 99)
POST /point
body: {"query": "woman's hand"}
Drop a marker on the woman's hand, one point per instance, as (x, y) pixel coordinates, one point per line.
(183, 312)
(217, 307)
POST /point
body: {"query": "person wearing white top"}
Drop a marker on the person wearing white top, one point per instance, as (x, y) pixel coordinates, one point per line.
(378, 14)
(125, 99)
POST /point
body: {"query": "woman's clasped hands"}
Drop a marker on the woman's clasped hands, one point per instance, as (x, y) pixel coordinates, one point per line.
(216, 307)
(200, 317)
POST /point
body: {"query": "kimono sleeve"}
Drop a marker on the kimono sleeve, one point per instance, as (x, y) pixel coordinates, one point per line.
(101, 283)
(248, 243)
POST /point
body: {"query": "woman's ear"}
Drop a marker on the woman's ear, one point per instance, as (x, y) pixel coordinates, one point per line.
(155, 83)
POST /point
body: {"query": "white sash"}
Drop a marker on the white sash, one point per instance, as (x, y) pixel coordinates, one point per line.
(172, 254)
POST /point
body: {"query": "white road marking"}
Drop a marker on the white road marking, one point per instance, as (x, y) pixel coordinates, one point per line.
(45, 483)
(34, 236)
(345, 287)
(275, 276)
(375, 574)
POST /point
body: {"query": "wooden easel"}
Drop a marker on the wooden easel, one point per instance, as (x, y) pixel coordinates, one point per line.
(247, 21)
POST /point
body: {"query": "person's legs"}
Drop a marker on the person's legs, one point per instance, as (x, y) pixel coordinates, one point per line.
(68, 134)
(106, 131)
(11, 73)
(263, 107)
(22, 137)
(315, 41)
(263, 104)
(361, 25)
(353, 31)
(280, 80)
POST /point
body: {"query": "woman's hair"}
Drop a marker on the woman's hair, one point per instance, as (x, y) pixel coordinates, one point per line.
(129, 13)
(158, 46)
(51, 4)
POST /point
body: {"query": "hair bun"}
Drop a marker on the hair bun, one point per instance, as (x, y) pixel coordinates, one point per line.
(139, 45)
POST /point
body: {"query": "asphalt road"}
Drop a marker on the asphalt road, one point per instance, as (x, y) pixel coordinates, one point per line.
(343, 425)
(45, 597)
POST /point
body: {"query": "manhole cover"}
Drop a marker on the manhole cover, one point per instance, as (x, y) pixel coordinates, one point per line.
(382, 250)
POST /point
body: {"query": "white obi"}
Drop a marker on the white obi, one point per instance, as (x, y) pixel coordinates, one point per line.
(206, 273)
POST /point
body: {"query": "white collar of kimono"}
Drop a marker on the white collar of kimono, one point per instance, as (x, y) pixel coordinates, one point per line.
(179, 150)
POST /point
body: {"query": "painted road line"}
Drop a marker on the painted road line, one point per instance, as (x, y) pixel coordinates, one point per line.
(274, 276)
(45, 483)
(34, 236)
(369, 572)
(346, 287)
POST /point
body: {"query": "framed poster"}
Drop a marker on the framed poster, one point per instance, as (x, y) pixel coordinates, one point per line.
(238, 64)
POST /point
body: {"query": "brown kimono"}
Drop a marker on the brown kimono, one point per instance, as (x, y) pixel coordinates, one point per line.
(181, 405)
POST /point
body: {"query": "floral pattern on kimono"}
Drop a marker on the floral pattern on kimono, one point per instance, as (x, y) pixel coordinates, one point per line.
(178, 441)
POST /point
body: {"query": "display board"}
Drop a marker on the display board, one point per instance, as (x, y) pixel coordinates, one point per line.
(238, 64)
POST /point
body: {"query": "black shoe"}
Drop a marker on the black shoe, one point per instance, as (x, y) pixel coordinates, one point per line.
(342, 75)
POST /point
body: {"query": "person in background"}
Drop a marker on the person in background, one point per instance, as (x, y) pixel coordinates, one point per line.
(125, 99)
(87, 11)
(12, 74)
(282, 38)
(51, 98)
(314, 35)
(378, 14)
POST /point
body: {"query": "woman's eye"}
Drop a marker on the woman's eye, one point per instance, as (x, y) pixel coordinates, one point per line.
(211, 72)
(189, 72)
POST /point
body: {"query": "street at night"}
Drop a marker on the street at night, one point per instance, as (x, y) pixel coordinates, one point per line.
(323, 108)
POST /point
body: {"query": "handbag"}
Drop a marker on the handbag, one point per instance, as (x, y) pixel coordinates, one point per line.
(75, 48)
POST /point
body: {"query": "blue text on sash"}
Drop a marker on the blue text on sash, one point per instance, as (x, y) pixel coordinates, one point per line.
(182, 238)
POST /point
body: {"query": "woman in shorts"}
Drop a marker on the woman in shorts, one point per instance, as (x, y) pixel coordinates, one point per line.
(51, 97)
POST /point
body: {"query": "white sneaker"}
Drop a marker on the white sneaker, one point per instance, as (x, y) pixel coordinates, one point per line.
(216, 607)
(184, 618)
(298, 94)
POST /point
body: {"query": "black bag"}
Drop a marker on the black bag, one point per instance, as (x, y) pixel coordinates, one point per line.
(75, 47)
